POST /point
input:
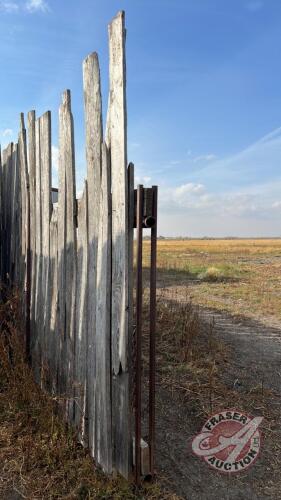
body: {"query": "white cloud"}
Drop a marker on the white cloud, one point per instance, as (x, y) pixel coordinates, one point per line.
(31, 6)
(276, 204)
(208, 157)
(142, 180)
(36, 5)
(7, 132)
(55, 157)
(9, 7)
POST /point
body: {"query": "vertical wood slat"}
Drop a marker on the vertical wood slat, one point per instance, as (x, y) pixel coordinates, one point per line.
(81, 316)
(25, 229)
(117, 137)
(67, 247)
(93, 128)
(54, 344)
(45, 167)
(32, 190)
(24, 201)
(14, 216)
(103, 333)
(38, 319)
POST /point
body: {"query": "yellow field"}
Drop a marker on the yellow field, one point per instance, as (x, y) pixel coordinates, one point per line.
(239, 276)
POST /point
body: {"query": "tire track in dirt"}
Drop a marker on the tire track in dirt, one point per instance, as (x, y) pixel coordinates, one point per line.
(255, 355)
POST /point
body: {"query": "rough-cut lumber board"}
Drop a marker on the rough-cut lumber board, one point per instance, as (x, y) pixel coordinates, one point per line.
(26, 255)
(81, 317)
(93, 128)
(118, 150)
(67, 245)
(24, 200)
(103, 321)
(54, 344)
(13, 252)
(117, 142)
(16, 215)
(8, 172)
(32, 190)
(37, 333)
(131, 214)
(45, 165)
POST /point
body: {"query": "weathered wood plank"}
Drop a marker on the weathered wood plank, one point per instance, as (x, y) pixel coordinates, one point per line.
(93, 127)
(24, 197)
(32, 190)
(118, 150)
(67, 245)
(103, 322)
(131, 214)
(46, 204)
(54, 343)
(36, 344)
(25, 230)
(13, 236)
(117, 142)
(81, 317)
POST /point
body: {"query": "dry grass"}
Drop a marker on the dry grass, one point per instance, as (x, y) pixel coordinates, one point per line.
(192, 362)
(39, 456)
(242, 277)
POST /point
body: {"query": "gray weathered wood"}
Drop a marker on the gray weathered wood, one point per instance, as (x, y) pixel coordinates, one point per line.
(37, 333)
(81, 259)
(117, 142)
(93, 128)
(118, 152)
(45, 165)
(32, 190)
(81, 353)
(54, 344)
(67, 246)
(103, 322)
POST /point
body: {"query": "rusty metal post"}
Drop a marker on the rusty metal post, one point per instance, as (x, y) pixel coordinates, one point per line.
(152, 354)
(139, 224)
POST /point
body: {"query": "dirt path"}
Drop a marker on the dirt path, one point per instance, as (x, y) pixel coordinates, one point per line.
(254, 361)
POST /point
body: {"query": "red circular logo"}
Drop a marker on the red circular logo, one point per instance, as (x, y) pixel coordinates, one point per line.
(229, 441)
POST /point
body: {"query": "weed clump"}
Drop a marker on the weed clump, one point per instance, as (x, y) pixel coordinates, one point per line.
(39, 455)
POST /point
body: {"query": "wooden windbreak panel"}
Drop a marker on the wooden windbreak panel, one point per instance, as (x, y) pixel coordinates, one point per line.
(74, 258)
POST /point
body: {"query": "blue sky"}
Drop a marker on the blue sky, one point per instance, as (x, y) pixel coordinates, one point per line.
(204, 99)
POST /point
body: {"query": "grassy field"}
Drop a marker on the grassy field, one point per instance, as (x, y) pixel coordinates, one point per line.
(239, 276)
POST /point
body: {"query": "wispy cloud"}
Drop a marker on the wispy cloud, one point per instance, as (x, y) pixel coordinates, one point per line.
(202, 158)
(31, 6)
(194, 199)
(145, 179)
(254, 5)
(9, 7)
(7, 132)
(36, 5)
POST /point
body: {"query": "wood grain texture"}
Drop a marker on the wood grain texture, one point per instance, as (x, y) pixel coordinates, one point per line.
(24, 201)
(93, 128)
(81, 254)
(31, 117)
(46, 204)
(118, 154)
(117, 142)
(54, 341)
(37, 333)
(67, 246)
(103, 322)
(81, 352)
